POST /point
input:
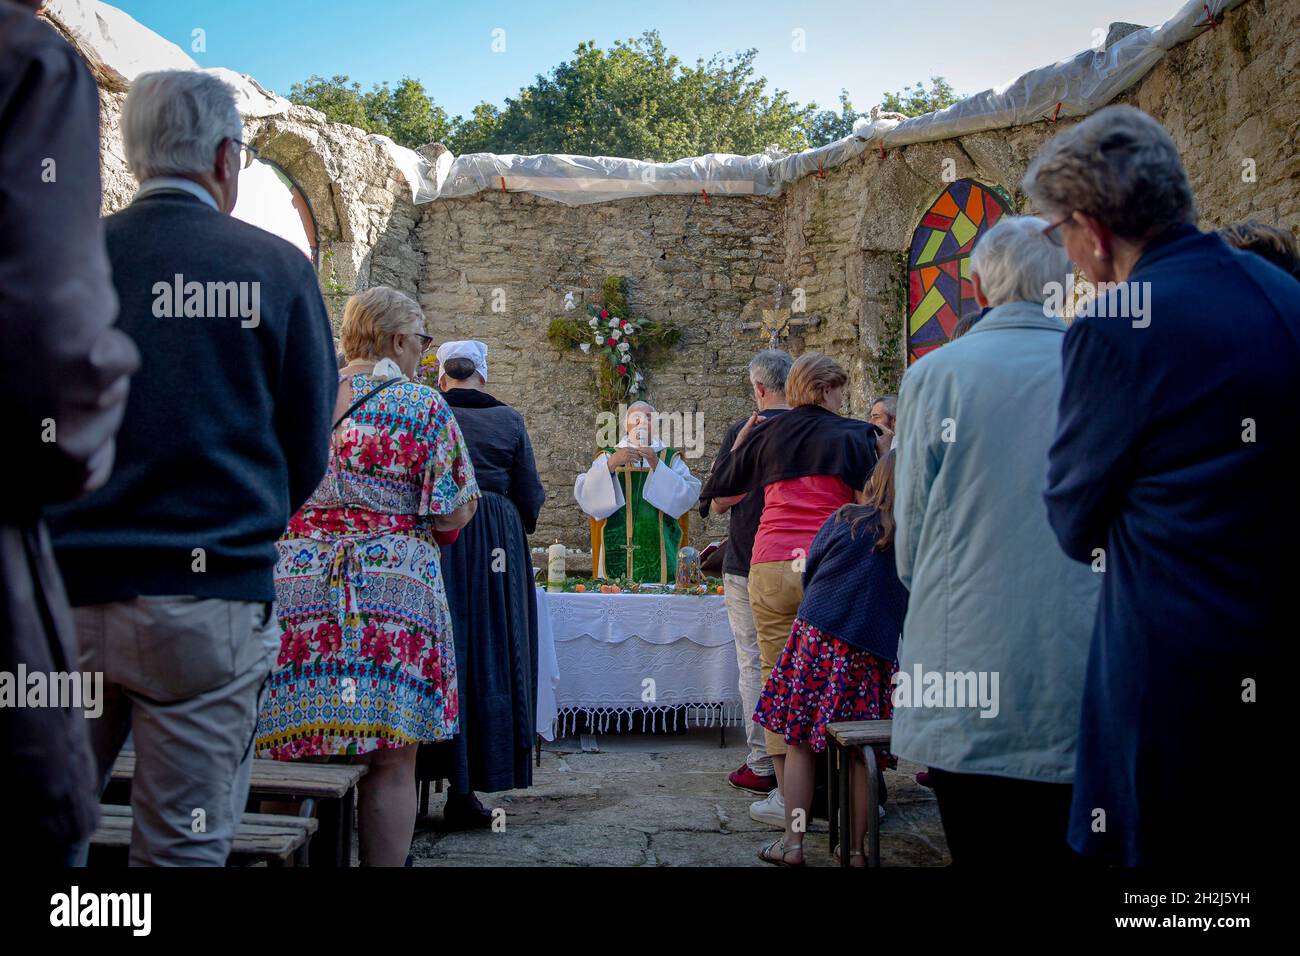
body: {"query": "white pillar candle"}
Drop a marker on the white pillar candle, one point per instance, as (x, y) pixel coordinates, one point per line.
(555, 567)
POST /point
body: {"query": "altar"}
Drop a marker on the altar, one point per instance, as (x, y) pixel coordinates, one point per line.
(669, 657)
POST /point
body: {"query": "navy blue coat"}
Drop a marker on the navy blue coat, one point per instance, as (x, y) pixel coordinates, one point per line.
(851, 590)
(1171, 463)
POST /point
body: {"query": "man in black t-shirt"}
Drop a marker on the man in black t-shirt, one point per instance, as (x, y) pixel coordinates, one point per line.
(767, 373)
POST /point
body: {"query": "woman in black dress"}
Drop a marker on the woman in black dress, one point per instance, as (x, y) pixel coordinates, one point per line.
(489, 580)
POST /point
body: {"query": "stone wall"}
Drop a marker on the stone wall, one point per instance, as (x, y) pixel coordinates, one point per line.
(1228, 96)
(704, 267)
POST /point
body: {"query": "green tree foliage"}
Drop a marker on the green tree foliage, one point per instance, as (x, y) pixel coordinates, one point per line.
(826, 126)
(638, 100)
(338, 98)
(634, 99)
(918, 100)
(407, 114)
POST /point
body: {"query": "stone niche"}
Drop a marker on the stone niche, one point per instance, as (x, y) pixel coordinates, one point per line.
(496, 266)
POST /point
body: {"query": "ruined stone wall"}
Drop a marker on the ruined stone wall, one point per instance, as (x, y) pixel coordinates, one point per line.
(707, 268)
(1228, 96)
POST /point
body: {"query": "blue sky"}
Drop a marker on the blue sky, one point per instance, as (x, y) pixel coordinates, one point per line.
(868, 47)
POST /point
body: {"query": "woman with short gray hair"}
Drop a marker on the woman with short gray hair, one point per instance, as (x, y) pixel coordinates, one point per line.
(1170, 464)
(991, 592)
(1015, 262)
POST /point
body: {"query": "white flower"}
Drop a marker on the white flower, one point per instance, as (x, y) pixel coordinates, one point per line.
(624, 347)
(585, 346)
(599, 340)
(593, 322)
(613, 323)
(569, 304)
(615, 334)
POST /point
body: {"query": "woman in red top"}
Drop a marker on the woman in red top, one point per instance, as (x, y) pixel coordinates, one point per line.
(808, 462)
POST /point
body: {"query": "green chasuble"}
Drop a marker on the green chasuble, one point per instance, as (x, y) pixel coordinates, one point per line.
(638, 540)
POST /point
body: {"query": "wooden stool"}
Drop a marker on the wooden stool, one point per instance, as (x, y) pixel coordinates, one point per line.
(867, 735)
(326, 791)
(261, 837)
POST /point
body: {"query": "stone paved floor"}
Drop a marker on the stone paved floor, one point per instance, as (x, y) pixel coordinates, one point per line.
(657, 801)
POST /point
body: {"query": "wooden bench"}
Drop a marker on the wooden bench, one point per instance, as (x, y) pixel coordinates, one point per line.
(325, 790)
(261, 837)
(842, 738)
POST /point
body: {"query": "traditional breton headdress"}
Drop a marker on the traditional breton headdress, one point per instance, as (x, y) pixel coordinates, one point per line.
(476, 352)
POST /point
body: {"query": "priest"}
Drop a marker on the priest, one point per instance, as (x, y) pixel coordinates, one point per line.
(635, 494)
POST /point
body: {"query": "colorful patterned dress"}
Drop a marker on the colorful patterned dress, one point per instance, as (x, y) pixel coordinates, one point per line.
(366, 656)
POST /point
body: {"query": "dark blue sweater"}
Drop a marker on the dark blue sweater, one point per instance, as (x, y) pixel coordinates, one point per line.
(227, 427)
(851, 590)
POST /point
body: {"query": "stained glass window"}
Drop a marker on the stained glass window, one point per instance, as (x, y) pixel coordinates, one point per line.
(939, 289)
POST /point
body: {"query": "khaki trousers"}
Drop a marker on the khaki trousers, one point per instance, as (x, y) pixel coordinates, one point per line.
(775, 590)
(184, 677)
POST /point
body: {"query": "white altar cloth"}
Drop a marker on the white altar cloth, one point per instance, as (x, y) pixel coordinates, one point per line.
(620, 654)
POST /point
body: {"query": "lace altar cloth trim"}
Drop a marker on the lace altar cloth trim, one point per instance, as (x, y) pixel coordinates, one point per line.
(637, 676)
(653, 618)
(604, 719)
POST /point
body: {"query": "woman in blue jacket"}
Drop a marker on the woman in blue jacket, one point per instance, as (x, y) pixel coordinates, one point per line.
(841, 656)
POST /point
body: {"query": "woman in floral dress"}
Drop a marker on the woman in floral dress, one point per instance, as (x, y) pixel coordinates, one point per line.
(367, 668)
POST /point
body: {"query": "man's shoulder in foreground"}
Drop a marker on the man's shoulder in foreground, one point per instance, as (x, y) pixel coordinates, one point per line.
(24, 34)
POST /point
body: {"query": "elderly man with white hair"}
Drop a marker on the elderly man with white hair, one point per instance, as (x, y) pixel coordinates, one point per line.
(992, 595)
(226, 431)
(636, 493)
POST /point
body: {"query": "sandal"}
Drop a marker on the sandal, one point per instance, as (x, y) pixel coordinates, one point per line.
(764, 854)
(835, 852)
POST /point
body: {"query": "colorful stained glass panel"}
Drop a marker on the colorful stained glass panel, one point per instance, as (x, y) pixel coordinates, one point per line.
(939, 287)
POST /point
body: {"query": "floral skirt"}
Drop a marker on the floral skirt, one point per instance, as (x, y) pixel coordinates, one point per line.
(366, 656)
(819, 680)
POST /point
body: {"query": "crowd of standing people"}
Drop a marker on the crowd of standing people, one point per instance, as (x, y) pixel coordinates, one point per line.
(1073, 518)
(266, 552)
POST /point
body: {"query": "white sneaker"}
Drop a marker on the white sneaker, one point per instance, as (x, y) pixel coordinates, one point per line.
(769, 810)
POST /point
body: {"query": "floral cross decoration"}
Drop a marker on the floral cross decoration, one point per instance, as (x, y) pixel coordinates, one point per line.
(618, 342)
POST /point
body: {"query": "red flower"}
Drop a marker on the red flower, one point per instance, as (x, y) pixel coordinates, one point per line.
(604, 313)
(622, 370)
(371, 452)
(294, 648)
(377, 644)
(411, 450)
(329, 638)
(624, 324)
(611, 342)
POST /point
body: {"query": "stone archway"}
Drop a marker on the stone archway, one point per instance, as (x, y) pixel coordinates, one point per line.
(939, 290)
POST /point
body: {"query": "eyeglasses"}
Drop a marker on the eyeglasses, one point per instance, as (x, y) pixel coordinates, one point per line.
(247, 154)
(426, 342)
(1054, 237)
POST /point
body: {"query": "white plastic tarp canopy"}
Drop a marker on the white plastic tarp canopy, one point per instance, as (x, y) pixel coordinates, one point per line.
(1075, 86)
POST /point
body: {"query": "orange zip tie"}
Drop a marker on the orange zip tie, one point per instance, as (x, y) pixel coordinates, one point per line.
(821, 172)
(1055, 113)
(705, 194)
(881, 147)
(1210, 20)
(503, 184)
